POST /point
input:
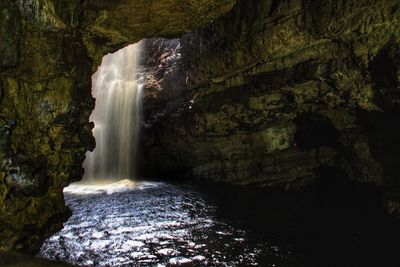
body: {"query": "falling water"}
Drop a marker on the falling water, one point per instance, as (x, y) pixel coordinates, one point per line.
(117, 87)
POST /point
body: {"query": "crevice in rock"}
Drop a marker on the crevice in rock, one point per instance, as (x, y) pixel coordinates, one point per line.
(315, 131)
(385, 73)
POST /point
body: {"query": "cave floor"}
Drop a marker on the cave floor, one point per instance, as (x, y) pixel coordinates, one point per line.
(163, 224)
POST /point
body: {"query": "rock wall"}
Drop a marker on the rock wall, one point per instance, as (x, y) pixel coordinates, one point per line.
(49, 49)
(109, 24)
(45, 105)
(266, 95)
(275, 90)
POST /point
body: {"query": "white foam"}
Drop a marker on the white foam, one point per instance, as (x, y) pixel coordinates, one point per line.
(107, 187)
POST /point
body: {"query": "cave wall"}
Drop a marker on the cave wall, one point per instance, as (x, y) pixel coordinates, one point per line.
(109, 24)
(45, 105)
(48, 52)
(264, 95)
(276, 89)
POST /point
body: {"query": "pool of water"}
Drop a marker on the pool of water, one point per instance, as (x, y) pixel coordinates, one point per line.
(153, 224)
(161, 224)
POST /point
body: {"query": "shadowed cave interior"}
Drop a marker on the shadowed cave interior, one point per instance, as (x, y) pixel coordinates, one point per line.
(200, 133)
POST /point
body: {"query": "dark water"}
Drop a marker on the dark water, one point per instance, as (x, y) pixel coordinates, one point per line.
(153, 224)
(161, 224)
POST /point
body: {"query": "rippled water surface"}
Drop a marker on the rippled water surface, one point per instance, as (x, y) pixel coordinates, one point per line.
(334, 222)
(153, 224)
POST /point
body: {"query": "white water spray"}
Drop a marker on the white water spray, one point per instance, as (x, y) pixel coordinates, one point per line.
(117, 87)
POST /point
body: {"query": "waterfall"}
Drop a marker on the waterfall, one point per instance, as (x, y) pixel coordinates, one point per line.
(117, 87)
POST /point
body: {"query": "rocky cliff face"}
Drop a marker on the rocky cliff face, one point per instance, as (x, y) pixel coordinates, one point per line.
(45, 103)
(47, 50)
(277, 90)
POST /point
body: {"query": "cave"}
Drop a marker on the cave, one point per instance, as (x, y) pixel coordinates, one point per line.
(314, 131)
(199, 133)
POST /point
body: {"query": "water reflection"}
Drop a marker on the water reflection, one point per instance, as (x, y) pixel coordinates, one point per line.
(333, 222)
(153, 224)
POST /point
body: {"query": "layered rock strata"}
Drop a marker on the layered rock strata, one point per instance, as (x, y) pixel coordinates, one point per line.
(275, 90)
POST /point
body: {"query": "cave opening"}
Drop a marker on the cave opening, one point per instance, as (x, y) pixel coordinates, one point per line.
(266, 135)
(117, 87)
